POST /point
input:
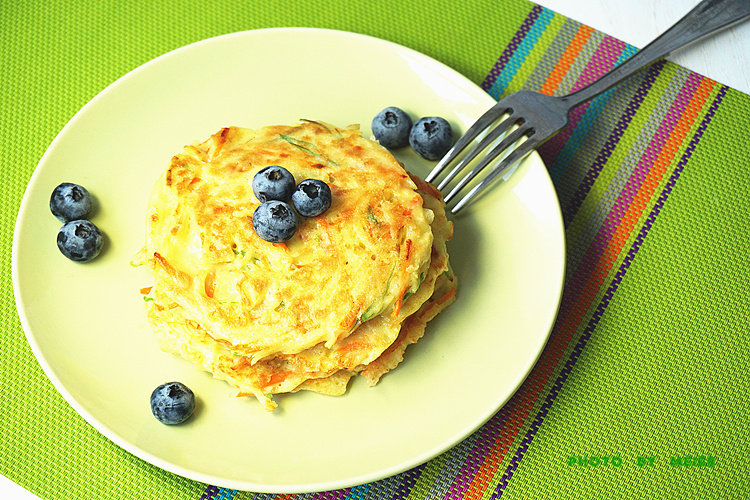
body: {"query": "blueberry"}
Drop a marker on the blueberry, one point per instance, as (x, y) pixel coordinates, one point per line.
(273, 183)
(431, 137)
(172, 403)
(312, 197)
(275, 221)
(70, 202)
(391, 127)
(79, 240)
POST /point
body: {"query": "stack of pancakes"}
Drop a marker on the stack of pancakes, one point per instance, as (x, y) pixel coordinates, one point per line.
(345, 295)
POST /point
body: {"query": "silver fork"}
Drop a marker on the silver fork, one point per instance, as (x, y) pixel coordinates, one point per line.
(537, 117)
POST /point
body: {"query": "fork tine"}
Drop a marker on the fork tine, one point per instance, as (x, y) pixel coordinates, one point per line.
(488, 139)
(515, 156)
(483, 122)
(486, 160)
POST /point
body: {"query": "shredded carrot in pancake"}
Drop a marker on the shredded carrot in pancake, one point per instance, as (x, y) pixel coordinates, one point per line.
(343, 296)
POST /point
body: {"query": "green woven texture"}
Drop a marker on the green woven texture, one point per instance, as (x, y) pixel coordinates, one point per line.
(649, 356)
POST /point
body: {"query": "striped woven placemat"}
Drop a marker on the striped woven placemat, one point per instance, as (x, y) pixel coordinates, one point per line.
(642, 388)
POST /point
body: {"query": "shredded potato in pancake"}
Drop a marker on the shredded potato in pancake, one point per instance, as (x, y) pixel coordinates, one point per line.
(333, 301)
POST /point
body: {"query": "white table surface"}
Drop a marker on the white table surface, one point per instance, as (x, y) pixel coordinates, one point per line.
(725, 58)
(11, 491)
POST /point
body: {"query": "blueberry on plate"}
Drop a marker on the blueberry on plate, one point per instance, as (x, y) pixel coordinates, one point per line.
(80, 240)
(273, 183)
(312, 197)
(431, 137)
(391, 127)
(70, 202)
(275, 221)
(172, 403)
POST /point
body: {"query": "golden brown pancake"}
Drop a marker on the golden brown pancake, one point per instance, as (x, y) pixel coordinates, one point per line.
(308, 314)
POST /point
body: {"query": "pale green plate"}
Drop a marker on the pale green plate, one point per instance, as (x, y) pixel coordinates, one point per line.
(86, 322)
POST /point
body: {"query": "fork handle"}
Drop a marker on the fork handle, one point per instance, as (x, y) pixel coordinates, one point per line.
(705, 18)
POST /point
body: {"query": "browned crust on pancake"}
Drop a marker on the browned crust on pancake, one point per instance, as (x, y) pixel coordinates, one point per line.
(387, 222)
(367, 342)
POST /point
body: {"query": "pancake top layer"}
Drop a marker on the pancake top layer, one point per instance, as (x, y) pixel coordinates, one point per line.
(356, 261)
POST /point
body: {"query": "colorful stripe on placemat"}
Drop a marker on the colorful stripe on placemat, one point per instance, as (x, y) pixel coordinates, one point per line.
(614, 167)
(216, 493)
(653, 123)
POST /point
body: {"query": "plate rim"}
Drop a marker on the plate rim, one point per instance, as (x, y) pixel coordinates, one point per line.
(192, 474)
